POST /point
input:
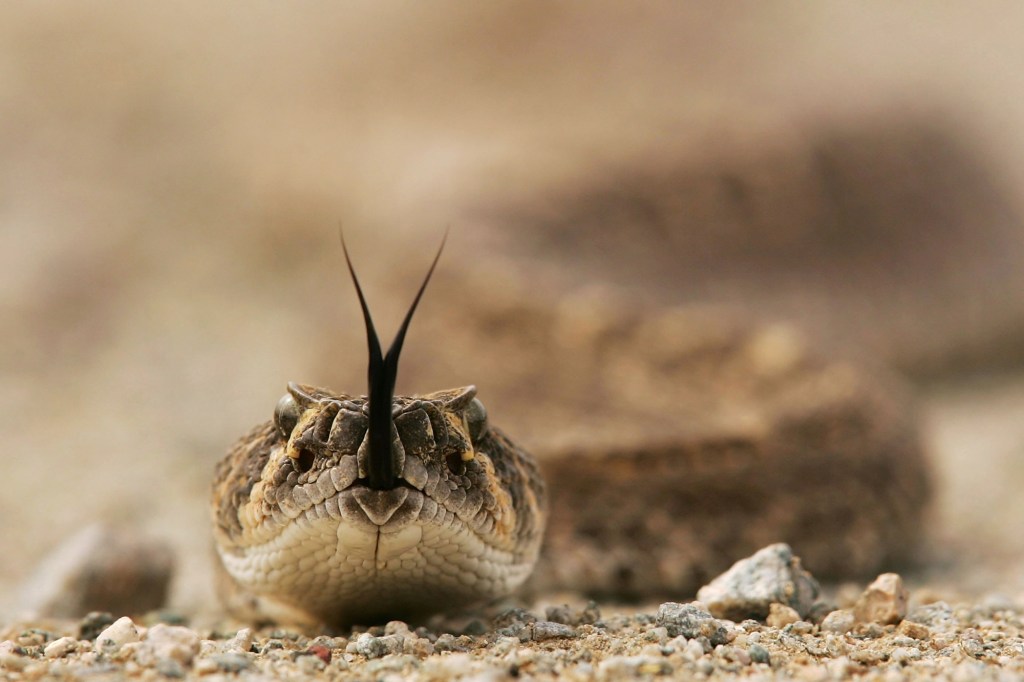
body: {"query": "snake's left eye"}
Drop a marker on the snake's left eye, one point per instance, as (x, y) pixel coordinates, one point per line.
(286, 414)
(476, 420)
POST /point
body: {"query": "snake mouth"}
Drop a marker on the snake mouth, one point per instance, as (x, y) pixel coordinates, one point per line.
(387, 510)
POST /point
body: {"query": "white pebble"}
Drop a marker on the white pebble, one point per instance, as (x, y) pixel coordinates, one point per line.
(241, 642)
(120, 632)
(59, 647)
(165, 642)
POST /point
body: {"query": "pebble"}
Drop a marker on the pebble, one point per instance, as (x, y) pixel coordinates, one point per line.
(376, 647)
(909, 628)
(839, 621)
(773, 575)
(93, 624)
(987, 644)
(883, 602)
(241, 642)
(903, 654)
(172, 642)
(544, 630)
(938, 616)
(120, 632)
(691, 621)
(780, 615)
(694, 650)
(758, 654)
(59, 647)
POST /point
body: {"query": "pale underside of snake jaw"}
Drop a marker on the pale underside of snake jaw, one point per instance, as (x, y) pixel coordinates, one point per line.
(301, 536)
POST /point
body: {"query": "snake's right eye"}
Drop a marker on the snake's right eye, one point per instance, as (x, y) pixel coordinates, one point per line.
(286, 414)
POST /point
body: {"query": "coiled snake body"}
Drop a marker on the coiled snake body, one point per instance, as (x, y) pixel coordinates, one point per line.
(350, 509)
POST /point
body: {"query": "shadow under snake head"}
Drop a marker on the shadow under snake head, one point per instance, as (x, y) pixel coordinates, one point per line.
(351, 509)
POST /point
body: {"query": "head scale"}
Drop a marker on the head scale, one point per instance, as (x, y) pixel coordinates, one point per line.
(382, 373)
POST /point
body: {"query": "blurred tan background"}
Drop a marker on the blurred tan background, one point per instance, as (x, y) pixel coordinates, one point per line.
(172, 177)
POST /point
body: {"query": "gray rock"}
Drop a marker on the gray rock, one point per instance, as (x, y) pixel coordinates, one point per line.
(100, 568)
(773, 575)
(758, 654)
(376, 647)
(938, 616)
(691, 621)
(545, 629)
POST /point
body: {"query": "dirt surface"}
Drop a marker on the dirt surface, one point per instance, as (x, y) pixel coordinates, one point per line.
(171, 183)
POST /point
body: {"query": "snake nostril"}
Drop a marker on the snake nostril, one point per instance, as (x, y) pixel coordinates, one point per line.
(304, 462)
(455, 463)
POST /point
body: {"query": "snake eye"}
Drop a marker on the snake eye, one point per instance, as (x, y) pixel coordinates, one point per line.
(286, 414)
(476, 420)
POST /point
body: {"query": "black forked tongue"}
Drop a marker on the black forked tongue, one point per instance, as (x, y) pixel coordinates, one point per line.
(382, 470)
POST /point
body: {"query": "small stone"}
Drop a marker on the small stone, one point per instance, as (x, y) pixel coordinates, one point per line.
(100, 568)
(914, 630)
(752, 585)
(559, 614)
(229, 663)
(321, 652)
(758, 654)
(120, 632)
(60, 647)
(780, 615)
(397, 627)
(544, 630)
(241, 642)
(512, 617)
(376, 647)
(694, 650)
(164, 642)
(93, 624)
(310, 665)
(447, 642)
(420, 647)
(883, 602)
(736, 654)
(691, 621)
(902, 654)
(938, 616)
(970, 644)
(839, 621)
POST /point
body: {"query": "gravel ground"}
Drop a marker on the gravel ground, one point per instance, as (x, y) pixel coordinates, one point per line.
(938, 640)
